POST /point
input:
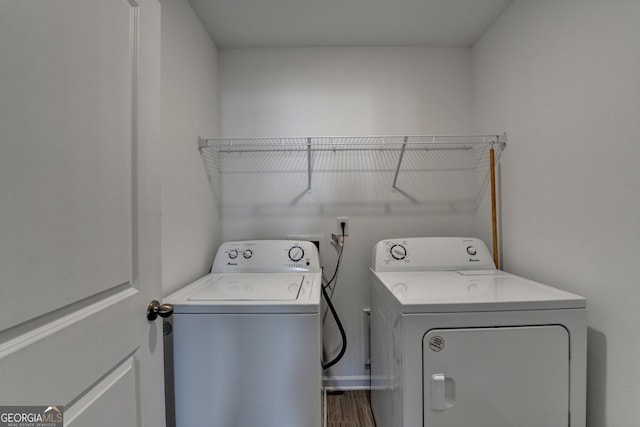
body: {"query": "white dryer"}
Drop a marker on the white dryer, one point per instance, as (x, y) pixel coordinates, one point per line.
(455, 342)
(246, 339)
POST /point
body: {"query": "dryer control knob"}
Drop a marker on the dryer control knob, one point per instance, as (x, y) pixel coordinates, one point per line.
(233, 254)
(247, 254)
(398, 252)
(296, 253)
(471, 250)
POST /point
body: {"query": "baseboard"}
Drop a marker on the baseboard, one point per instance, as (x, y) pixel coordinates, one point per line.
(355, 382)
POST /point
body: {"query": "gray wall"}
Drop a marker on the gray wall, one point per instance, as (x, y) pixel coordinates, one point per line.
(190, 223)
(563, 79)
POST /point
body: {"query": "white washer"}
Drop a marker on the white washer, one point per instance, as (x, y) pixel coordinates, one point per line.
(247, 343)
(455, 342)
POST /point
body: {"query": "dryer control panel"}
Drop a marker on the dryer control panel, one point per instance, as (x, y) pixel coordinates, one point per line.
(431, 253)
(266, 256)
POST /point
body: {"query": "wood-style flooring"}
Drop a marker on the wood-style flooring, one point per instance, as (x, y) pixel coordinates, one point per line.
(349, 409)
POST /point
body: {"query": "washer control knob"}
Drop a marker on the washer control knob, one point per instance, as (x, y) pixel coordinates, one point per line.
(247, 254)
(398, 252)
(233, 254)
(471, 250)
(296, 253)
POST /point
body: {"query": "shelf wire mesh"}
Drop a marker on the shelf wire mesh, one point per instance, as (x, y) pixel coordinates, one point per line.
(449, 171)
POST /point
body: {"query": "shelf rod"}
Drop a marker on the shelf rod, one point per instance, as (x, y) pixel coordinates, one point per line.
(331, 140)
(404, 147)
(336, 149)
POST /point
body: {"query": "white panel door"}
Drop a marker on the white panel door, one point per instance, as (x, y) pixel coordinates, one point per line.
(80, 209)
(496, 377)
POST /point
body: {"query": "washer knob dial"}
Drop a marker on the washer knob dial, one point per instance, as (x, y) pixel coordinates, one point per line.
(471, 250)
(233, 254)
(398, 252)
(248, 253)
(296, 253)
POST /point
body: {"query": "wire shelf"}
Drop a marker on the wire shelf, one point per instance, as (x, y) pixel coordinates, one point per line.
(411, 166)
(332, 143)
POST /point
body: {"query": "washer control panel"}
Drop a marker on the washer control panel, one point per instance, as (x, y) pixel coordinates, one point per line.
(266, 256)
(431, 253)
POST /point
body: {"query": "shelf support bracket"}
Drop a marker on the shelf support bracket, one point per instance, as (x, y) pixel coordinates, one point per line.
(308, 165)
(395, 178)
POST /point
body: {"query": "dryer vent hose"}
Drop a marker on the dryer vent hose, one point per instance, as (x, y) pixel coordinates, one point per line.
(329, 364)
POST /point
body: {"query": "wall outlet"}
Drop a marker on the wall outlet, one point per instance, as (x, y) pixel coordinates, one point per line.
(339, 222)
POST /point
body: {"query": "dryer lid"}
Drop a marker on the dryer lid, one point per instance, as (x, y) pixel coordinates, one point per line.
(251, 287)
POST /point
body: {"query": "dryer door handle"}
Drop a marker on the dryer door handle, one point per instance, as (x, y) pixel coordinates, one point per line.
(443, 392)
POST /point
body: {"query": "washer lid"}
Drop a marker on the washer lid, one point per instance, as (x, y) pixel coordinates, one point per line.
(258, 287)
(483, 290)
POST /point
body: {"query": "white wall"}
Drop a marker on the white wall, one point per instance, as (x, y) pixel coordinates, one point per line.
(340, 91)
(190, 223)
(563, 79)
(344, 91)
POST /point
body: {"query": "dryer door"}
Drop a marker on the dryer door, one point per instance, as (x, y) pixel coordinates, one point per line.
(496, 377)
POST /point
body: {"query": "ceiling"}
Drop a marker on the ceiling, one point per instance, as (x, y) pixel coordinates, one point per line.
(305, 23)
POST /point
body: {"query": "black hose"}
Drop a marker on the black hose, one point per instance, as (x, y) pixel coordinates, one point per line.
(329, 364)
(335, 273)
